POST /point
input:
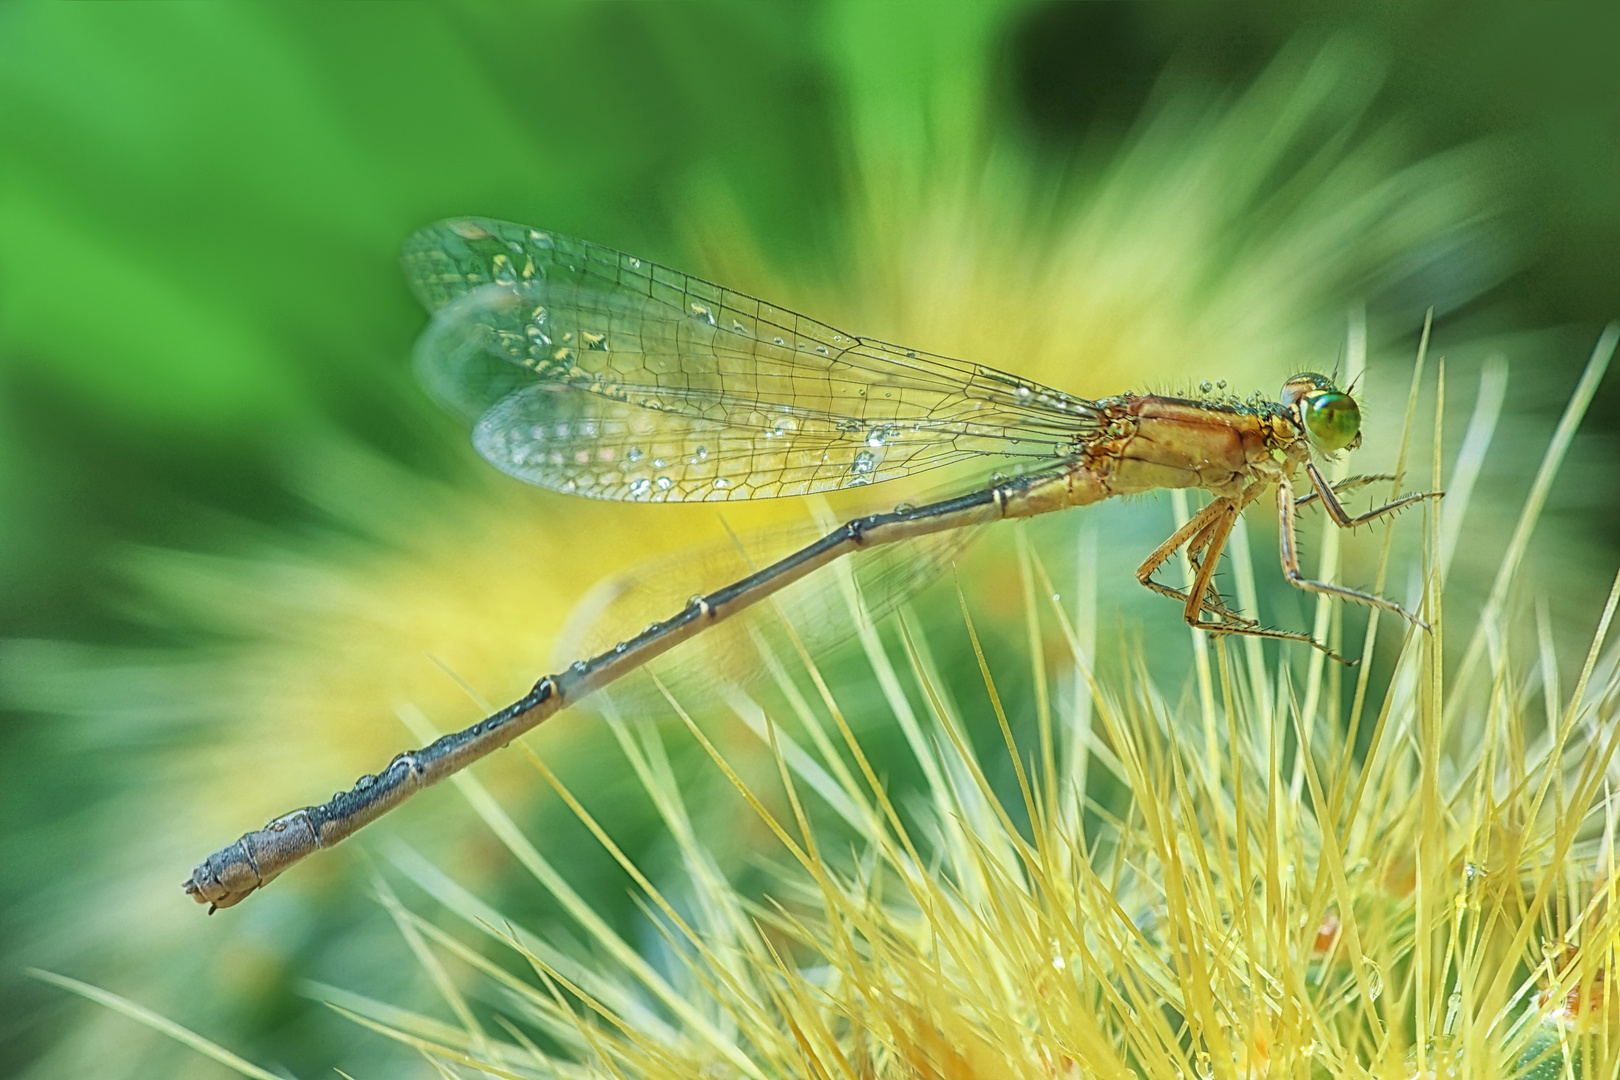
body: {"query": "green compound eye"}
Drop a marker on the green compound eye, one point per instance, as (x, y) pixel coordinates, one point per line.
(1332, 419)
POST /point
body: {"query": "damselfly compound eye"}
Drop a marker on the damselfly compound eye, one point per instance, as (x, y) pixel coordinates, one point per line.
(1332, 419)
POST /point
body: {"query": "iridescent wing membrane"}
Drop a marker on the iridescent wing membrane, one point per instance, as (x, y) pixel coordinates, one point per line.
(595, 373)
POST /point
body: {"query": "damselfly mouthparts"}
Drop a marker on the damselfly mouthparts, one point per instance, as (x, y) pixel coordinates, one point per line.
(591, 372)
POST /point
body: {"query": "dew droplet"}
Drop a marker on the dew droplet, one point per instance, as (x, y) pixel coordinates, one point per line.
(903, 508)
(663, 483)
(578, 667)
(1375, 982)
(640, 488)
(502, 268)
(1206, 386)
(635, 453)
(1220, 384)
(594, 341)
(721, 482)
(864, 462)
(702, 312)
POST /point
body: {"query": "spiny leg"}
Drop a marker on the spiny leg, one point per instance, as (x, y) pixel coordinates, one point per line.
(1289, 547)
(1213, 601)
(1335, 509)
(1161, 554)
(1195, 549)
(1196, 530)
(1219, 530)
(1346, 485)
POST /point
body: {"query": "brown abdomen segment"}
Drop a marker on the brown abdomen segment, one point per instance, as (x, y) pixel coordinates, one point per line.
(1182, 444)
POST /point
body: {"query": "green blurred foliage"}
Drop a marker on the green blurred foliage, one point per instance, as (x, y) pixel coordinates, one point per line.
(200, 206)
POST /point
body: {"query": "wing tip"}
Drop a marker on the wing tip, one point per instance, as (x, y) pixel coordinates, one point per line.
(435, 258)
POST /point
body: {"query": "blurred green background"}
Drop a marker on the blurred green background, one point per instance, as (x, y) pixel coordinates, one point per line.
(224, 505)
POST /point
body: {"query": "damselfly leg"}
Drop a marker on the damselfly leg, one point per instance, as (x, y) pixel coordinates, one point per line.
(1205, 534)
(1289, 546)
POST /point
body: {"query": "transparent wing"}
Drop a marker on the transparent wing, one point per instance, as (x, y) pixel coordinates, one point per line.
(592, 372)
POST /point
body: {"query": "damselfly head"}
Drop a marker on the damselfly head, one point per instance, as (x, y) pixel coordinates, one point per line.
(1330, 416)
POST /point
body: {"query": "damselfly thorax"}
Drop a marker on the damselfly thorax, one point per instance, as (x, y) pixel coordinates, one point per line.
(594, 373)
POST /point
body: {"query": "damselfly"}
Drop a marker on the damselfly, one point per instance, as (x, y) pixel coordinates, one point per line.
(591, 372)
